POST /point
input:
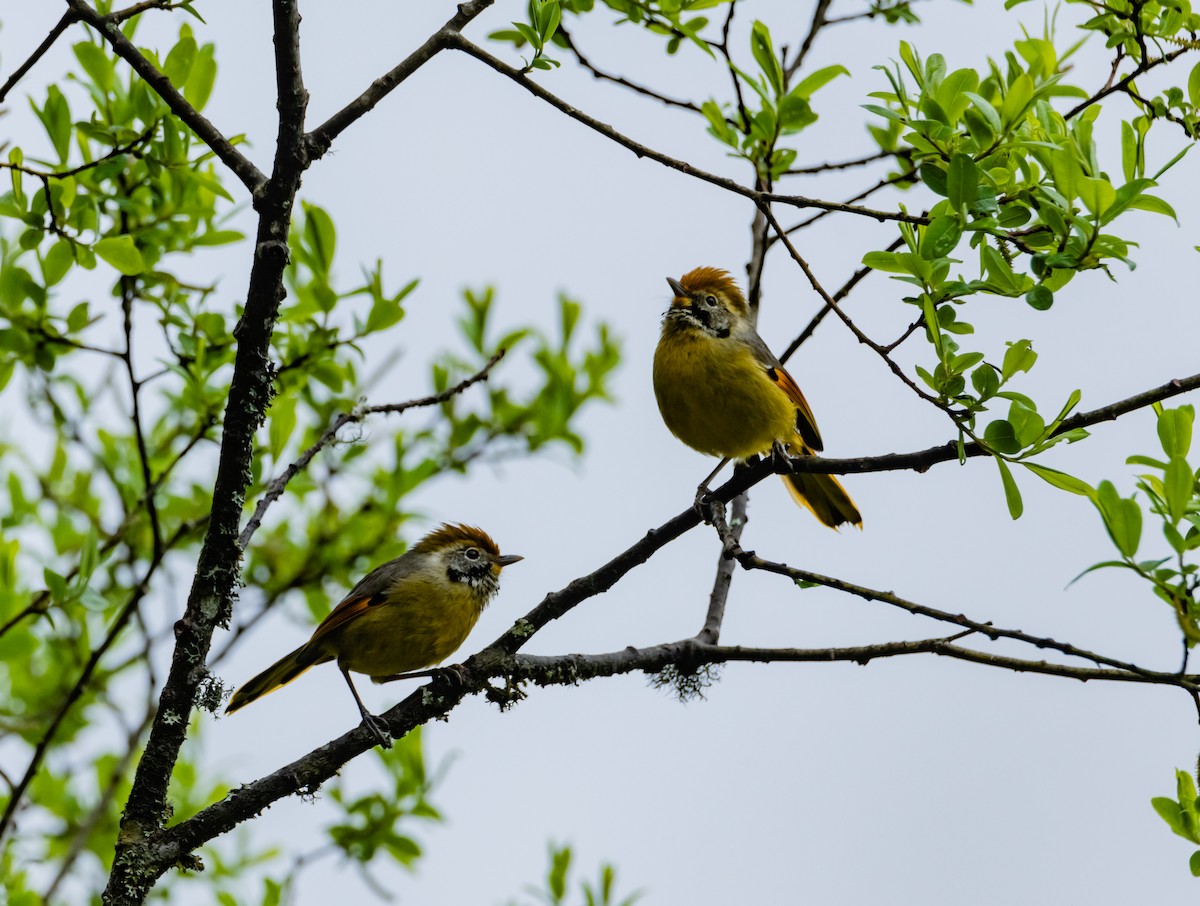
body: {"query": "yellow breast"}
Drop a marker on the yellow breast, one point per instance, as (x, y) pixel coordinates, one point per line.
(421, 623)
(716, 397)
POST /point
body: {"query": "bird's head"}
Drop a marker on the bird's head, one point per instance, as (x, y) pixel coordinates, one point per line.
(708, 299)
(468, 555)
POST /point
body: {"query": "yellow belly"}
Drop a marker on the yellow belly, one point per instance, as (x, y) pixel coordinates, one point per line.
(716, 398)
(417, 628)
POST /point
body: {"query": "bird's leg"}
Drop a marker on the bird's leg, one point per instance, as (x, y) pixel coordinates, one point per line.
(702, 490)
(376, 725)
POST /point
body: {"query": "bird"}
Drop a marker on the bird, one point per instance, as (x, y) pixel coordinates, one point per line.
(723, 392)
(407, 614)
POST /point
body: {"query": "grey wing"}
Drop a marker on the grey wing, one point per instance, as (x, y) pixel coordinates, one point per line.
(374, 585)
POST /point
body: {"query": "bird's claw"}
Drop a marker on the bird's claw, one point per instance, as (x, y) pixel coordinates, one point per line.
(378, 728)
(781, 459)
(456, 676)
(703, 503)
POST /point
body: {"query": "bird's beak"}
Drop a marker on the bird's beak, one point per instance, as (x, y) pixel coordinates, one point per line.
(508, 560)
(677, 288)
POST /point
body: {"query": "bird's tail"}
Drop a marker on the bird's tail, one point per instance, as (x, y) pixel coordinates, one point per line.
(825, 497)
(282, 672)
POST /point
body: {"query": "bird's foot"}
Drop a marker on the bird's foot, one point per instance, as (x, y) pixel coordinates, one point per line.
(704, 503)
(455, 677)
(781, 459)
(378, 728)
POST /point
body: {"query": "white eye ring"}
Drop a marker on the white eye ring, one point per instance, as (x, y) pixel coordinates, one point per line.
(710, 299)
(472, 553)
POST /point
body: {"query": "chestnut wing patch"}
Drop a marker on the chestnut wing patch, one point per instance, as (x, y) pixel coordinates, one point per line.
(806, 425)
(350, 609)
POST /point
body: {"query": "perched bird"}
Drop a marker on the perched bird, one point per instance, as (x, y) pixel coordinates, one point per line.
(721, 391)
(410, 613)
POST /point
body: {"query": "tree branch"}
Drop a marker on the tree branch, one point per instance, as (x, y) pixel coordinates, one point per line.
(459, 42)
(67, 20)
(249, 175)
(210, 601)
(319, 140)
(831, 303)
(618, 80)
(438, 698)
(838, 296)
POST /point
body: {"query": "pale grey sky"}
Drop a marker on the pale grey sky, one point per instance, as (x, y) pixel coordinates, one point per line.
(915, 780)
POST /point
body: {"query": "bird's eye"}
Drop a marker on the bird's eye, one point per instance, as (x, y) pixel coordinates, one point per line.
(710, 300)
(472, 553)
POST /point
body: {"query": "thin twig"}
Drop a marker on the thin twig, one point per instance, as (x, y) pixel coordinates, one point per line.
(277, 485)
(319, 140)
(840, 165)
(620, 80)
(831, 303)
(1110, 86)
(459, 42)
(68, 18)
(818, 22)
(841, 294)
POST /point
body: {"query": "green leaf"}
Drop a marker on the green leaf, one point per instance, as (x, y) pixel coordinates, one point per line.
(57, 261)
(55, 584)
(1000, 436)
(1027, 424)
(121, 253)
(200, 83)
(1154, 205)
(56, 119)
(321, 236)
(1145, 461)
(1039, 298)
(1019, 97)
(962, 181)
(1178, 487)
(1018, 357)
(1194, 864)
(810, 84)
(178, 64)
(1193, 86)
(1061, 480)
(1122, 518)
(888, 262)
(96, 63)
(764, 54)
(282, 424)
(1185, 789)
(985, 381)
(1012, 494)
(1175, 430)
(1097, 195)
(940, 237)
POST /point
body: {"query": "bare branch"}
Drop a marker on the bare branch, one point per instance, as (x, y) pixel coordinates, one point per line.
(841, 294)
(818, 22)
(816, 169)
(67, 20)
(458, 42)
(319, 140)
(619, 80)
(831, 303)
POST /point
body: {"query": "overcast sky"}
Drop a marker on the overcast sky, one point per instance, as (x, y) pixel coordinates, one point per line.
(910, 780)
